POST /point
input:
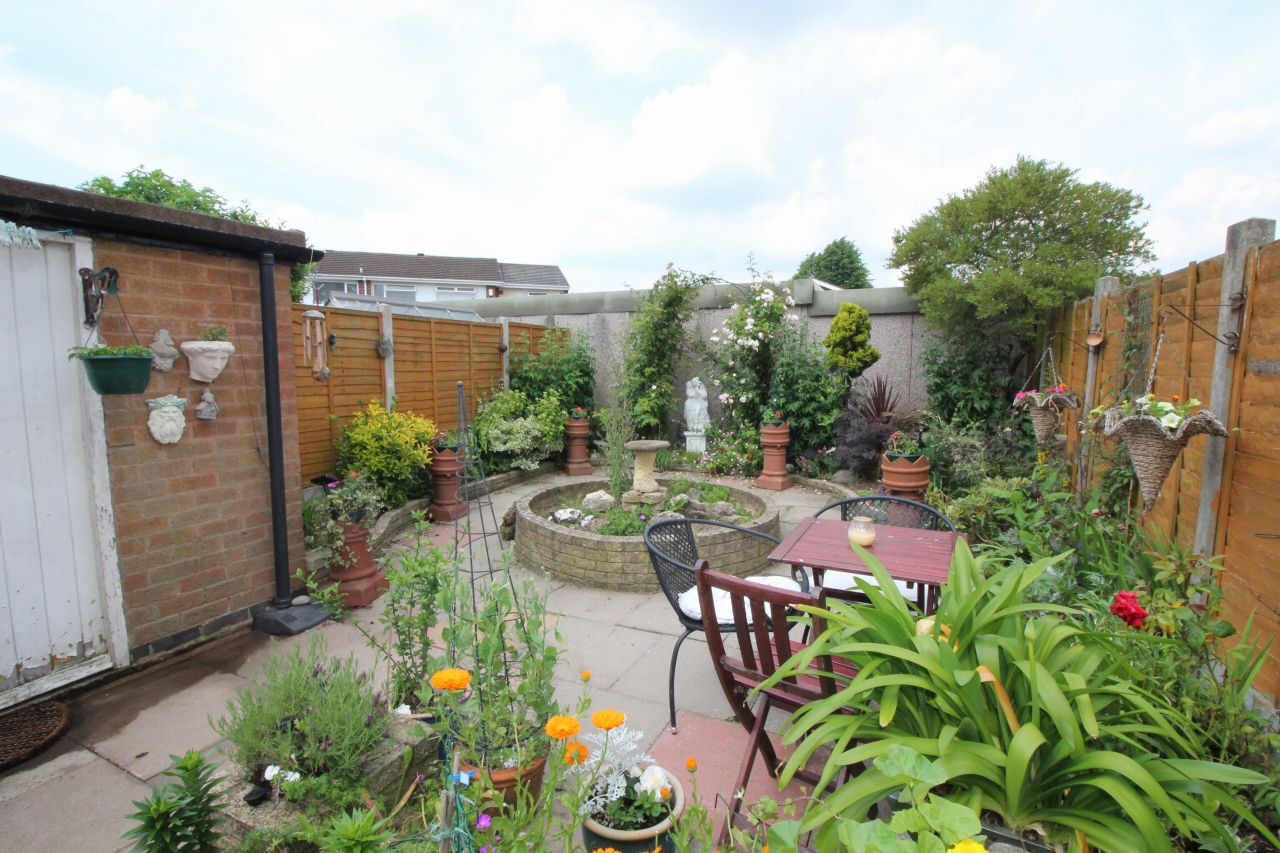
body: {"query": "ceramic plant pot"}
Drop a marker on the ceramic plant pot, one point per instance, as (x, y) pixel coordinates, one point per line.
(117, 374)
(576, 431)
(361, 581)
(445, 504)
(597, 836)
(774, 439)
(905, 477)
(510, 782)
(207, 358)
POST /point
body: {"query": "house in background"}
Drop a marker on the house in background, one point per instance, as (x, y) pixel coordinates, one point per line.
(430, 278)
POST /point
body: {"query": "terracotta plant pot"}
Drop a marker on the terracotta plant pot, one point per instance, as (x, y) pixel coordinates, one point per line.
(576, 431)
(361, 581)
(445, 465)
(509, 783)
(774, 439)
(597, 836)
(905, 478)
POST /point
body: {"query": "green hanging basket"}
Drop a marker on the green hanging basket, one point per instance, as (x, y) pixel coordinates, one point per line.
(117, 374)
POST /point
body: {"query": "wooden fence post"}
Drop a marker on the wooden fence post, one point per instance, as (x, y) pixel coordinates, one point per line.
(506, 354)
(1103, 286)
(389, 362)
(1240, 238)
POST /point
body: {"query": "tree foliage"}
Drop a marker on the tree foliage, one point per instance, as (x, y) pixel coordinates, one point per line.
(848, 342)
(561, 362)
(1026, 239)
(840, 263)
(656, 340)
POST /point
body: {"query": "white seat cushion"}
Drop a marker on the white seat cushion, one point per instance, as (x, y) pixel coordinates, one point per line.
(692, 608)
(845, 581)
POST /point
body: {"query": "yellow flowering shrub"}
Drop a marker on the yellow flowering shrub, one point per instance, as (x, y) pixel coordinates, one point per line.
(393, 448)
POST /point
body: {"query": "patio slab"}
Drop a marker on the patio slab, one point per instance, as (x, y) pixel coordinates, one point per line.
(68, 799)
(609, 652)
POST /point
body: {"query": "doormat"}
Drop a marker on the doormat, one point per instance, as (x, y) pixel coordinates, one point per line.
(27, 731)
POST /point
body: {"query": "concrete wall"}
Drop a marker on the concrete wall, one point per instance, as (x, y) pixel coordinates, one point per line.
(193, 519)
(896, 326)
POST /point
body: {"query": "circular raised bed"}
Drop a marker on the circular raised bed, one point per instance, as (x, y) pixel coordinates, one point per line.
(622, 562)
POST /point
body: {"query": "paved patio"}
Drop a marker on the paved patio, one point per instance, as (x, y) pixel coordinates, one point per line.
(75, 795)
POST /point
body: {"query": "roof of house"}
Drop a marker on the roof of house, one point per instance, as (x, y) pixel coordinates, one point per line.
(439, 268)
(543, 274)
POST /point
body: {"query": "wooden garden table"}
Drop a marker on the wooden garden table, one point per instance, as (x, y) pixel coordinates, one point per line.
(907, 554)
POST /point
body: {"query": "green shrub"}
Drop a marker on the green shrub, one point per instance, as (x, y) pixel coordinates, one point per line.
(624, 522)
(804, 391)
(512, 432)
(709, 494)
(732, 450)
(1030, 716)
(182, 817)
(307, 712)
(618, 430)
(563, 364)
(679, 486)
(394, 448)
(745, 348)
(848, 342)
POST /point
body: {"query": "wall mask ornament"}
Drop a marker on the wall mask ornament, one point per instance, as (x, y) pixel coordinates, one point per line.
(168, 419)
(207, 358)
(163, 352)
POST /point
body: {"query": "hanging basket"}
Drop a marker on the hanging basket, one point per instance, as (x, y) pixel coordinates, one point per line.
(1045, 410)
(1152, 447)
(117, 374)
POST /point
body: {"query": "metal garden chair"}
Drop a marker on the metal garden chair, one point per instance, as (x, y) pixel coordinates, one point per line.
(673, 550)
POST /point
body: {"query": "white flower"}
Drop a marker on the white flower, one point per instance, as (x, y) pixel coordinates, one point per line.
(760, 335)
(715, 382)
(655, 388)
(742, 399)
(724, 398)
(271, 772)
(715, 339)
(652, 781)
(1171, 420)
(290, 775)
(404, 710)
(1164, 407)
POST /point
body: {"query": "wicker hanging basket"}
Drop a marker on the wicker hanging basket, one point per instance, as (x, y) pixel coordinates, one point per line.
(1152, 447)
(1045, 410)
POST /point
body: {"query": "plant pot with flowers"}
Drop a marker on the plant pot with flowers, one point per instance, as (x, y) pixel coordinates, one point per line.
(1045, 408)
(904, 469)
(630, 808)
(1155, 431)
(352, 508)
(207, 356)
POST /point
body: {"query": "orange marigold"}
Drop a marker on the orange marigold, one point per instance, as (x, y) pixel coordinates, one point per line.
(561, 727)
(607, 718)
(692, 764)
(574, 753)
(451, 679)
(666, 793)
(586, 675)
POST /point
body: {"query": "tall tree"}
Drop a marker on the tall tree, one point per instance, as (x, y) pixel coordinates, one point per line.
(839, 264)
(999, 255)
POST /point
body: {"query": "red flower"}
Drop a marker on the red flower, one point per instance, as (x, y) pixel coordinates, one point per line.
(1126, 606)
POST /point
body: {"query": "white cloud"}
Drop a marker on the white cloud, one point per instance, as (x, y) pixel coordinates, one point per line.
(131, 109)
(621, 37)
(1237, 127)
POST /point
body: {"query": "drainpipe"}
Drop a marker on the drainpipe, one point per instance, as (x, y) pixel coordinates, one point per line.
(279, 617)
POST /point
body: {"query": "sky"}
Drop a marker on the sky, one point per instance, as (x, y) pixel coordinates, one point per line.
(613, 138)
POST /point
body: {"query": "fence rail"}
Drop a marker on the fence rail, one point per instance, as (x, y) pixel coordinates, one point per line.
(1244, 497)
(429, 357)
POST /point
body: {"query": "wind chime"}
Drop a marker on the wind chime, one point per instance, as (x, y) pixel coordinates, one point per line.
(315, 341)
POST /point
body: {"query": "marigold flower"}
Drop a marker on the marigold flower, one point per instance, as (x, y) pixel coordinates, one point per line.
(586, 675)
(692, 764)
(451, 679)
(607, 719)
(968, 846)
(574, 753)
(666, 793)
(561, 727)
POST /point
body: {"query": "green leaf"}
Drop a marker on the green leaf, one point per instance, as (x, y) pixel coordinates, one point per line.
(873, 836)
(784, 836)
(904, 764)
(952, 821)
(888, 705)
(1220, 628)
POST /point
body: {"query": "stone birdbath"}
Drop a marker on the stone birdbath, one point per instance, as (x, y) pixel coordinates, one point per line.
(644, 488)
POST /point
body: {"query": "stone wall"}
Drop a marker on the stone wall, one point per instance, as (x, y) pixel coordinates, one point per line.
(622, 562)
(193, 519)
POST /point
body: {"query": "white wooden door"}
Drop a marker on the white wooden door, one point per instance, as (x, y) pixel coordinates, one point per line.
(53, 625)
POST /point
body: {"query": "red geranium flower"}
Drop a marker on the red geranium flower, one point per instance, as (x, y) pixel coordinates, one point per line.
(1126, 606)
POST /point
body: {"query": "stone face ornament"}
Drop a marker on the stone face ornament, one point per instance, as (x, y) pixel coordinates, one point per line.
(207, 358)
(167, 421)
(163, 352)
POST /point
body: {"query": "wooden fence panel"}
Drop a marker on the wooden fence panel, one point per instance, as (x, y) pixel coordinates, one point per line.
(1250, 498)
(431, 356)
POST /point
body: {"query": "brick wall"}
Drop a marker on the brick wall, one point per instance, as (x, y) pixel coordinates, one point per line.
(193, 519)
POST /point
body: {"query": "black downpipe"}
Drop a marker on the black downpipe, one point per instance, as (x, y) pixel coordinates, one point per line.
(275, 432)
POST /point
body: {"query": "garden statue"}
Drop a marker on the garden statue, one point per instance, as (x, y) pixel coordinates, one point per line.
(696, 419)
(163, 352)
(167, 421)
(207, 410)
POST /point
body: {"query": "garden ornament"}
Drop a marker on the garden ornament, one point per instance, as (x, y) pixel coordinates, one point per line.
(207, 358)
(167, 421)
(314, 352)
(163, 352)
(16, 237)
(207, 410)
(696, 419)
